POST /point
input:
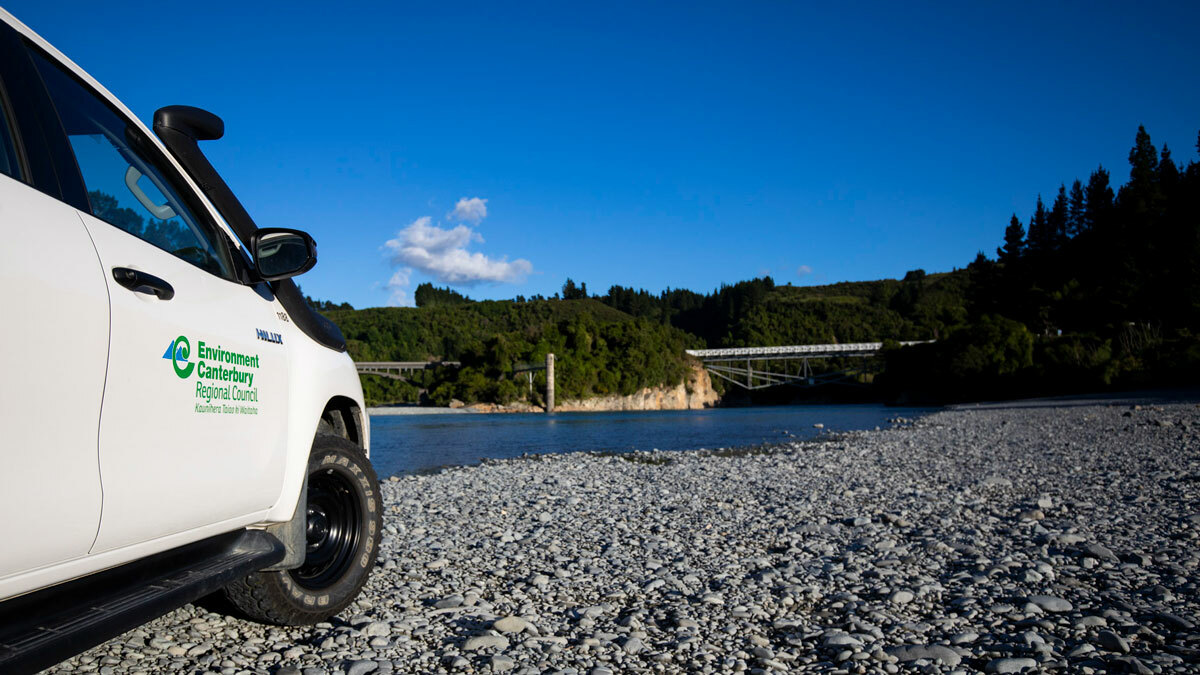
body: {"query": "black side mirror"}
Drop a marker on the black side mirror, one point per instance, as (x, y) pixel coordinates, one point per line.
(280, 253)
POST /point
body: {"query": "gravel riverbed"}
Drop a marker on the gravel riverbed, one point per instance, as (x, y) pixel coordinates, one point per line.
(1002, 540)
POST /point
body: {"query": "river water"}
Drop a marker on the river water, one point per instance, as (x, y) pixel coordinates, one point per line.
(403, 444)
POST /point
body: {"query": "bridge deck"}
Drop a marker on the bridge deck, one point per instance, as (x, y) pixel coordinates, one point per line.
(396, 369)
(798, 351)
(405, 365)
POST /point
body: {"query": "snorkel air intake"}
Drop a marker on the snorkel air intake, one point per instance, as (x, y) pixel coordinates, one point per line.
(181, 127)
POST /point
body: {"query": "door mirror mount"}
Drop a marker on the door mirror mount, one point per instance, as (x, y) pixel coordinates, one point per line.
(281, 253)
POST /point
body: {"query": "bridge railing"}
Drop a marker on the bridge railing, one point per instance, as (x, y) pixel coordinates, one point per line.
(846, 348)
(727, 363)
(396, 369)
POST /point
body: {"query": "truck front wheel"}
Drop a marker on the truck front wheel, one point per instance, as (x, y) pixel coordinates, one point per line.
(344, 512)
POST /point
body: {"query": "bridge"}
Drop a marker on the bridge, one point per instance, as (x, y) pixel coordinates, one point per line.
(782, 365)
(397, 369)
(746, 367)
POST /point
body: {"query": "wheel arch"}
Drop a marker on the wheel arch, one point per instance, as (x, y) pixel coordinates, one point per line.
(343, 417)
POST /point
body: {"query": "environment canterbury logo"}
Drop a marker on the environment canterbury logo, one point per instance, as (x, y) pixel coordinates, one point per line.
(178, 351)
(221, 375)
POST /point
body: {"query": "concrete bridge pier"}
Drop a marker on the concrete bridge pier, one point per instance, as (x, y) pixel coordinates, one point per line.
(549, 383)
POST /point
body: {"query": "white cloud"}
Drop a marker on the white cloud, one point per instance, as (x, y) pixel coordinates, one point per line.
(397, 286)
(442, 253)
(422, 235)
(803, 271)
(471, 210)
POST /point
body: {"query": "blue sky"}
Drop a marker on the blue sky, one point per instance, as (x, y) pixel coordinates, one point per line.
(667, 145)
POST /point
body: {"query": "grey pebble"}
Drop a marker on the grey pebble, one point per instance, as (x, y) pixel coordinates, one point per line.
(941, 654)
(1010, 665)
(1113, 642)
(479, 642)
(510, 624)
(866, 552)
(1099, 551)
(1051, 603)
(362, 667)
(377, 629)
(501, 663)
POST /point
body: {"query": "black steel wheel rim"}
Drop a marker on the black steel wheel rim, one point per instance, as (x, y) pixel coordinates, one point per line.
(334, 525)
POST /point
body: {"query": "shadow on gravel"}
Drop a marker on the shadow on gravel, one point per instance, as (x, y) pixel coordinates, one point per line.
(218, 604)
(1151, 397)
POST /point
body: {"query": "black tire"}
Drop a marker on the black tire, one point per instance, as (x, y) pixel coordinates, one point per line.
(344, 521)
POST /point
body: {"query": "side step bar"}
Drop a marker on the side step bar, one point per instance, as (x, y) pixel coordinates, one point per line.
(41, 629)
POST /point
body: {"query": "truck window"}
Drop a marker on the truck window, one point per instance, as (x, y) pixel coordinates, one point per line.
(8, 153)
(125, 184)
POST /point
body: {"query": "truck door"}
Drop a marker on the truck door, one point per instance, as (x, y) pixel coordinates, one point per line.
(194, 412)
(53, 353)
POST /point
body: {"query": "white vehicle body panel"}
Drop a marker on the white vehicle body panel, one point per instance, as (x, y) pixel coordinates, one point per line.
(48, 576)
(53, 352)
(241, 477)
(318, 374)
(174, 453)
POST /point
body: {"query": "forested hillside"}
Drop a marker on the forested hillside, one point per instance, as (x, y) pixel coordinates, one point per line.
(613, 345)
(600, 350)
(760, 313)
(1099, 288)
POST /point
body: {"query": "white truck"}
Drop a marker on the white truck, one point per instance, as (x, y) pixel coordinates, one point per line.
(178, 421)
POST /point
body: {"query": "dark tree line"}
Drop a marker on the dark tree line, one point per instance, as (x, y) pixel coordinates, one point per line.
(1096, 260)
(428, 295)
(1106, 282)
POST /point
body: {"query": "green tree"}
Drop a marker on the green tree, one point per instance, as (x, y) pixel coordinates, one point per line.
(1168, 173)
(1143, 161)
(572, 292)
(1056, 219)
(1041, 239)
(1075, 210)
(1014, 242)
(427, 295)
(1140, 199)
(1098, 201)
(992, 346)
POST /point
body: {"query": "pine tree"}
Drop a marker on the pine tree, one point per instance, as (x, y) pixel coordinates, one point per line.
(1056, 220)
(1168, 173)
(1014, 242)
(572, 292)
(1040, 239)
(1075, 210)
(1098, 200)
(1143, 159)
(1141, 197)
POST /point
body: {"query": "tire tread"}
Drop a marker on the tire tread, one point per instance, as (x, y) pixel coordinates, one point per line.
(263, 596)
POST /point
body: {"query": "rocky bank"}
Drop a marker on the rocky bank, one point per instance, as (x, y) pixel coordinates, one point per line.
(694, 393)
(1022, 539)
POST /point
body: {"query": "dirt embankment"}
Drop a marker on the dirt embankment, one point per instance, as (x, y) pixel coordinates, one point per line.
(694, 393)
